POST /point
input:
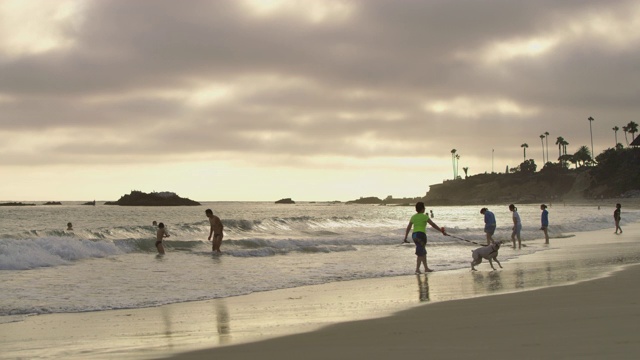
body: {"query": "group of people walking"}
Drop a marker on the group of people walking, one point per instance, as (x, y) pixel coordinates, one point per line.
(420, 220)
(490, 224)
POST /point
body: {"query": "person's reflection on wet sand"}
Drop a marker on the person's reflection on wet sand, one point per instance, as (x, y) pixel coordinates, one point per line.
(519, 284)
(423, 287)
(223, 323)
(167, 320)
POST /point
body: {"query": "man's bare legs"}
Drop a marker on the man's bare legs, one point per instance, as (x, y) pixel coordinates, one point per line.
(217, 241)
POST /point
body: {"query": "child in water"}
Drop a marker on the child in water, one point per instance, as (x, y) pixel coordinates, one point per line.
(419, 223)
(544, 220)
(517, 226)
(161, 234)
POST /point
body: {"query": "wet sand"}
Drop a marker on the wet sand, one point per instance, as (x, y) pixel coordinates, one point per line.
(538, 306)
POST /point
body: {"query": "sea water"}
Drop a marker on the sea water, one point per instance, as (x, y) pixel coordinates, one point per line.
(109, 260)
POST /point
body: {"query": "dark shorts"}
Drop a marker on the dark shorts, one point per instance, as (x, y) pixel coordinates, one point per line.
(158, 243)
(490, 229)
(420, 239)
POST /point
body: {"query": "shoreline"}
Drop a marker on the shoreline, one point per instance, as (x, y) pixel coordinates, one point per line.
(570, 321)
(237, 325)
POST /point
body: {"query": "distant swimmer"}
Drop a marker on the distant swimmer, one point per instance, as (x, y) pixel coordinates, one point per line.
(517, 226)
(431, 214)
(419, 222)
(216, 231)
(69, 226)
(160, 235)
(489, 224)
(154, 223)
(544, 219)
(616, 218)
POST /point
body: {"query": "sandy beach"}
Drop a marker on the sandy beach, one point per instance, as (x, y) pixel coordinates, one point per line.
(578, 298)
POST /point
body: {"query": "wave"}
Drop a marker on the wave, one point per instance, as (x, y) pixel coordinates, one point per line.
(51, 251)
(253, 238)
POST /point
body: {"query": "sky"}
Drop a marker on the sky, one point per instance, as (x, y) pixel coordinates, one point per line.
(316, 100)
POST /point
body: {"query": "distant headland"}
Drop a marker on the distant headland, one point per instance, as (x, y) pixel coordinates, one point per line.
(614, 174)
(139, 198)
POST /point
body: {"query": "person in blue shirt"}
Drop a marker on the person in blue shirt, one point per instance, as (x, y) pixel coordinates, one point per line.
(544, 219)
(489, 224)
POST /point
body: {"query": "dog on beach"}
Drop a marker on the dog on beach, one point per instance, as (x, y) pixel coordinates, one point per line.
(489, 252)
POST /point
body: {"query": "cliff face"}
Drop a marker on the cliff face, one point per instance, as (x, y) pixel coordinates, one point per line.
(502, 188)
(616, 174)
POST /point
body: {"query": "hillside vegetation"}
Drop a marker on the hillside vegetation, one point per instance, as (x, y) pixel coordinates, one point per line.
(616, 173)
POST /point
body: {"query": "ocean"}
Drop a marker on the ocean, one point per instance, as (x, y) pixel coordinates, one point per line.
(109, 260)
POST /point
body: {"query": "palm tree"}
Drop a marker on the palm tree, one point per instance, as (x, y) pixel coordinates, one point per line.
(632, 127)
(466, 168)
(525, 146)
(563, 158)
(559, 142)
(582, 156)
(615, 133)
(542, 142)
(625, 129)
(591, 132)
(546, 140)
(453, 159)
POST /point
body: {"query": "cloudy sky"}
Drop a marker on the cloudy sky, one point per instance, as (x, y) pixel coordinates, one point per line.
(309, 99)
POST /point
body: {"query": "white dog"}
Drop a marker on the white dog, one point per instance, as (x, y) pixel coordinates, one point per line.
(489, 252)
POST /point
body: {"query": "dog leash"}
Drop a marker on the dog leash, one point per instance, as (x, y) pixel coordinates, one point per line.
(469, 241)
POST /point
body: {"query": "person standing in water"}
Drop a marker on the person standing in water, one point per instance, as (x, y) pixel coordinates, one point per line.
(419, 223)
(216, 231)
(544, 219)
(69, 226)
(517, 226)
(160, 235)
(489, 224)
(616, 218)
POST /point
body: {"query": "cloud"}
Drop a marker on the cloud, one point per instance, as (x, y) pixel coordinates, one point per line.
(139, 81)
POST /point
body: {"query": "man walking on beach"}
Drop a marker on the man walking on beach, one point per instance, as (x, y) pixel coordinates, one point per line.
(616, 218)
(489, 224)
(216, 230)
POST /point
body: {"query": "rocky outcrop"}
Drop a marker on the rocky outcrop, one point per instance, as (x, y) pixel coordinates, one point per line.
(366, 200)
(139, 198)
(16, 204)
(285, 201)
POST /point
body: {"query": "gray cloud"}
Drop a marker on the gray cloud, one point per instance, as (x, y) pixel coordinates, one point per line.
(310, 89)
